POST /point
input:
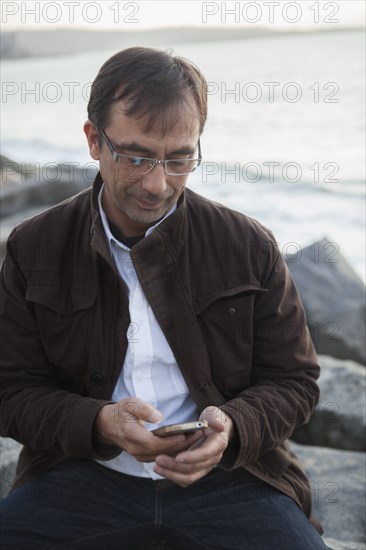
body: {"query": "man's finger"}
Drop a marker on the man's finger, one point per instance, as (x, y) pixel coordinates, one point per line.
(212, 447)
(140, 410)
(180, 468)
(206, 456)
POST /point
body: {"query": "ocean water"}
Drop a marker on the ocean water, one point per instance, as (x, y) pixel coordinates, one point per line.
(284, 141)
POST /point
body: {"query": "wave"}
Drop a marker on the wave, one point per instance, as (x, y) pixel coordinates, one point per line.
(42, 152)
(236, 174)
(216, 174)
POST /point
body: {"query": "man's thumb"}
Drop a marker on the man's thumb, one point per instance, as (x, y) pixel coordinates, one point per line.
(148, 413)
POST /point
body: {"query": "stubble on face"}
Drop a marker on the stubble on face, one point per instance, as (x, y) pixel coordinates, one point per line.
(143, 208)
(136, 204)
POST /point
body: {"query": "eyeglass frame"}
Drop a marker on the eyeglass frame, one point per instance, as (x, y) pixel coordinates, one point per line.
(116, 156)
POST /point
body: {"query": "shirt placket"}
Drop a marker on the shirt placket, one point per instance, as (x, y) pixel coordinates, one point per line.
(143, 352)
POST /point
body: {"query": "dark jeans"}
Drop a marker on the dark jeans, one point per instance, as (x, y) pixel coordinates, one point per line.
(81, 505)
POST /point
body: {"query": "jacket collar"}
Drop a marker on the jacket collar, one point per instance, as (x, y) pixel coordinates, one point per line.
(98, 239)
(172, 230)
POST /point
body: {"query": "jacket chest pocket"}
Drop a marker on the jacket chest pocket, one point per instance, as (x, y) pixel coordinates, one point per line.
(226, 320)
(66, 327)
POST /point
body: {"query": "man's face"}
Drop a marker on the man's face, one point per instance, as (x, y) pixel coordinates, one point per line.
(135, 202)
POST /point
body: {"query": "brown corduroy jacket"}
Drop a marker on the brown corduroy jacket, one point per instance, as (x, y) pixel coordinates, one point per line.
(223, 297)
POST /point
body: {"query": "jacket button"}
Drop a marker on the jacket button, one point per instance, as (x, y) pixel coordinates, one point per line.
(231, 311)
(97, 379)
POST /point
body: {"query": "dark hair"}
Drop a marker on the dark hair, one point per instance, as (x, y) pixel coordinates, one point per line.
(152, 82)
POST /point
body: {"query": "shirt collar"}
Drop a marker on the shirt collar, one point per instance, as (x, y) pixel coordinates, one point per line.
(106, 227)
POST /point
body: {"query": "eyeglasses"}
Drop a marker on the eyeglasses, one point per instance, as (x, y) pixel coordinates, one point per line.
(138, 166)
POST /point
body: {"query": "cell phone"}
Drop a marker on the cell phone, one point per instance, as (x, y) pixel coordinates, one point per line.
(185, 428)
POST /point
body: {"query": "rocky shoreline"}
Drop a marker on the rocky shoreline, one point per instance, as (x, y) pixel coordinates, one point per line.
(27, 190)
(31, 43)
(332, 446)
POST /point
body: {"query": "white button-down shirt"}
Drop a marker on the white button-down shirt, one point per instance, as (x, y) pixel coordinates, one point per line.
(150, 370)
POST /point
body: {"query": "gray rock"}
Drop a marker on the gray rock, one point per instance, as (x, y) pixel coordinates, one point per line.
(339, 420)
(23, 43)
(334, 299)
(40, 185)
(9, 452)
(337, 479)
(27, 190)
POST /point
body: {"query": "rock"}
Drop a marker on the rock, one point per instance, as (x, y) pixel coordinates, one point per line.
(40, 185)
(339, 420)
(337, 479)
(9, 451)
(24, 43)
(27, 190)
(334, 299)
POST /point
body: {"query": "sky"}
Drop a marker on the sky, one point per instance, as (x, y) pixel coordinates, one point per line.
(136, 15)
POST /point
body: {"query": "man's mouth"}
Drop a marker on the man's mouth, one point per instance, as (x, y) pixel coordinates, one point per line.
(149, 205)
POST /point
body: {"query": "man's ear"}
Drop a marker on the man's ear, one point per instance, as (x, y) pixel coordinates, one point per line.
(93, 141)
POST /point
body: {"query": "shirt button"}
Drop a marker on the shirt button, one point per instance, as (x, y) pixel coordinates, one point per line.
(231, 310)
(97, 379)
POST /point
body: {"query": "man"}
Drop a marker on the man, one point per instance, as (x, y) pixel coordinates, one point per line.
(139, 303)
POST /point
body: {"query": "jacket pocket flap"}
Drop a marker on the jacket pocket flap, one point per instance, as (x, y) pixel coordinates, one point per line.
(202, 302)
(61, 300)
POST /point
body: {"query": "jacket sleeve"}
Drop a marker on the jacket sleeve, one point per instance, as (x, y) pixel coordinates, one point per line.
(284, 371)
(34, 410)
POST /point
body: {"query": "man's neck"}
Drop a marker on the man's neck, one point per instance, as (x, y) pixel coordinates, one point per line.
(119, 235)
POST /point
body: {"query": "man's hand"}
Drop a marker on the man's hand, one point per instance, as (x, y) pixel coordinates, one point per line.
(122, 424)
(190, 465)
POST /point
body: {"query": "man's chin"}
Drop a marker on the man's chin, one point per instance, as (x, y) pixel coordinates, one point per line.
(147, 218)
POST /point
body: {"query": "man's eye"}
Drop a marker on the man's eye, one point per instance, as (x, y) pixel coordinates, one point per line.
(136, 161)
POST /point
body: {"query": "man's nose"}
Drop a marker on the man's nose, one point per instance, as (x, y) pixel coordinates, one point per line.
(154, 181)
